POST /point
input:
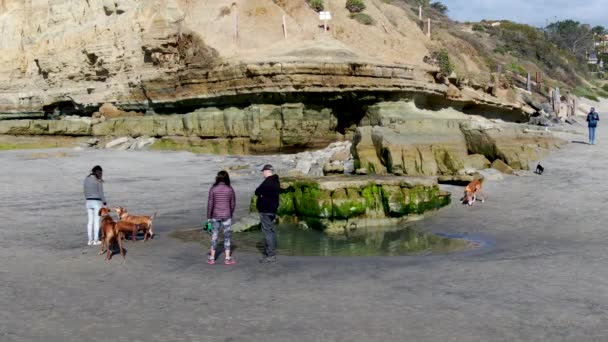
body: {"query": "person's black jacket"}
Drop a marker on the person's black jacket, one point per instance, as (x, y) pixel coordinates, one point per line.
(268, 195)
(592, 119)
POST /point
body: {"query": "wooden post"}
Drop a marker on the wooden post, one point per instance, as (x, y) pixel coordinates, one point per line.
(420, 12)
(529, 83)
(557, 101)
(284, 27)
(236, 28)
(539, 81)
(428, 28)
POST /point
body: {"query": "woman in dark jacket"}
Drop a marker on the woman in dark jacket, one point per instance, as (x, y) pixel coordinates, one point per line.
(592, 120)
(220, 208)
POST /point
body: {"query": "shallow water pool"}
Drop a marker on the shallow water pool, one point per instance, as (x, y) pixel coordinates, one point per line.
(293, 240)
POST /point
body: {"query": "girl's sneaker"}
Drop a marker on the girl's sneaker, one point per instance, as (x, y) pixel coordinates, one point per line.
(96, 242)
(90, 243)
(211, 261)
(229, 261)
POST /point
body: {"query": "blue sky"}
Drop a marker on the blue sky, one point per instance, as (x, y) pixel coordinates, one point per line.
(533, 12)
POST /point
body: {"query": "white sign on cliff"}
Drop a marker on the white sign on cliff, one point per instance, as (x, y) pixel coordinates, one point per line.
(324, 15)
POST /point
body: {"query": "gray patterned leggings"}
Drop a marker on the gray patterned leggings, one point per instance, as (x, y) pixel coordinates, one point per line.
(217, 224)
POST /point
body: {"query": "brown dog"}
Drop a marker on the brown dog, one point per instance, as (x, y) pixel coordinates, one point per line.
(144, 222)
(109, 234)
(472, 191)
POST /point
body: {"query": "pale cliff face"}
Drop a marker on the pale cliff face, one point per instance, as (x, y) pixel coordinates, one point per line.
(94, 51)
(85, 50)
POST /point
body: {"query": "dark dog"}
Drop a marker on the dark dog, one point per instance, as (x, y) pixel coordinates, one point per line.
(539, 169)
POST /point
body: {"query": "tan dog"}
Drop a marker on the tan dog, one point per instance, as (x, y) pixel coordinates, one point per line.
(144, 222)
(109, 234)
(472, 191)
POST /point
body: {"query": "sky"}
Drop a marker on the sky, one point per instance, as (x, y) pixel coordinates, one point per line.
(533, 12)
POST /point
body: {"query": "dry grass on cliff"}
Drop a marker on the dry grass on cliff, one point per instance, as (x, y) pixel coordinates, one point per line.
(393, 38)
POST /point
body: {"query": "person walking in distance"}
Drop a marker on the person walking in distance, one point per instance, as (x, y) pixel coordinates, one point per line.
(220, 209)
(95, 199)
(592, 119)
(267, 205)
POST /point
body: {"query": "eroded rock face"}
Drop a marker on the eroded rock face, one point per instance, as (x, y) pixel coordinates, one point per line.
(338, 203)
(261, 128)
(83, 52)
(334, 159)
(109, 111)
(400, 140)
(513, 144)
(46, 127)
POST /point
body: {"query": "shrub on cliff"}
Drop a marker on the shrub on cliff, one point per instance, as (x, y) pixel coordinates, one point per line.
(478, 28)
(363, 18)
(443, 61)
(355, 6)
(317, 5)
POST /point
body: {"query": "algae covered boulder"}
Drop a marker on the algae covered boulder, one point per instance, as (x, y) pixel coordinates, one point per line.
(337, 202)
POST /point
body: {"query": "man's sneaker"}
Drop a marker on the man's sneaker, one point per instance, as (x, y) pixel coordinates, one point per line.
(229, 261)
(211, 261)
(96, 242)
(90, 243)
(266, 260)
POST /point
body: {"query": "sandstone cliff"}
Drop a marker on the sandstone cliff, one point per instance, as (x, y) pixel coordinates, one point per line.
(221, 76)
(174, 56)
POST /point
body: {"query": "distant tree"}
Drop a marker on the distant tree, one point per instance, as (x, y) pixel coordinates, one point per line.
(424, 3)
(598, 30)
(571, 36)
(441, 8)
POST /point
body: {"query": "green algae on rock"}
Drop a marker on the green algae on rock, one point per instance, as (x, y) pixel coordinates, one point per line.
(337, 203)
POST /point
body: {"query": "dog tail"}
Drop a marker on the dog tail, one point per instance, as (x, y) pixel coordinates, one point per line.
(151, 220)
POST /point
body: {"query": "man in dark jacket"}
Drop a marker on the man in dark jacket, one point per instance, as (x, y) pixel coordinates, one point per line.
(267, 205)
(592, 119)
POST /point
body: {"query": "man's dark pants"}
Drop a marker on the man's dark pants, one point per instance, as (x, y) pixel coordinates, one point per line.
(270, 235)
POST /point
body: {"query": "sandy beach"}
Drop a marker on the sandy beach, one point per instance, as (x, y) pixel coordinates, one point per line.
(540, 276)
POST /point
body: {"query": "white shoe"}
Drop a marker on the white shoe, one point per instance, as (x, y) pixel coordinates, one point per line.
(90, 243)
(96, 242)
